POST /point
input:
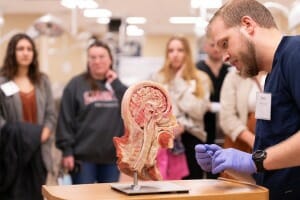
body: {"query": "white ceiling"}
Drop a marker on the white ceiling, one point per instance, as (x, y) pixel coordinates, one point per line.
(157, 13)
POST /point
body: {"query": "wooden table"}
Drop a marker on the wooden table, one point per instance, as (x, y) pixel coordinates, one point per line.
(207, 189)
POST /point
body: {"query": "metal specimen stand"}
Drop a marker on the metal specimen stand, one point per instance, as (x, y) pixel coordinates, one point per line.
(135, 186)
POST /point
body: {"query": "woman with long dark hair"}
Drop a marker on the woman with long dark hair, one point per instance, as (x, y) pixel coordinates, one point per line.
(27, 115)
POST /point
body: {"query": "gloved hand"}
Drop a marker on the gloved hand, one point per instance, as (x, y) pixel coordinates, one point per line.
(233, 159)
(204, 153)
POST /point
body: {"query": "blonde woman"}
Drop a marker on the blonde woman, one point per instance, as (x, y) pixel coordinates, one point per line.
(238, 99)
(189, 90)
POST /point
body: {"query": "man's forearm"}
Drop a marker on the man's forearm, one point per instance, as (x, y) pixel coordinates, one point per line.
(283, 155)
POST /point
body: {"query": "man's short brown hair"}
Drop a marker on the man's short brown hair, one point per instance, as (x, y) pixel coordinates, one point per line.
(233, 10)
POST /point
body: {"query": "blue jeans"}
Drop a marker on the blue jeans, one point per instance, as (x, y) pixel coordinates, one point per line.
(96, 173)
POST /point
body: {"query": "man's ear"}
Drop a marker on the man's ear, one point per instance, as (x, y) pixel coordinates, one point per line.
(248, 25)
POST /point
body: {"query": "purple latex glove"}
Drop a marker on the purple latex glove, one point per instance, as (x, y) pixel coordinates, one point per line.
(233, 159)
(204, 154)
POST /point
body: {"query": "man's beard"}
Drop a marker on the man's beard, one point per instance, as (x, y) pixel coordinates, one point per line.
(250, 68)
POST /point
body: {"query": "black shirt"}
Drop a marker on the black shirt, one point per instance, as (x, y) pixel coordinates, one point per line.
(210, 118)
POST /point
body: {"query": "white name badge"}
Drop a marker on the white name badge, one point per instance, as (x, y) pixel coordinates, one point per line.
(263, 106)
(9, 88)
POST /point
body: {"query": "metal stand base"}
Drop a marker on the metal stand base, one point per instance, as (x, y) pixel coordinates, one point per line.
(148, 187)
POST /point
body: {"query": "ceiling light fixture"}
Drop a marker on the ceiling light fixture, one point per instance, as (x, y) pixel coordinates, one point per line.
(49, 25)
(133, 30)
(82, 4)
(136, 20)
(103, 20)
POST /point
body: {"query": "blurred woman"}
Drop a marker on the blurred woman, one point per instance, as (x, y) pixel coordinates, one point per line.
(25, 96)
(89, 118)
(237, 114)
(189, 90)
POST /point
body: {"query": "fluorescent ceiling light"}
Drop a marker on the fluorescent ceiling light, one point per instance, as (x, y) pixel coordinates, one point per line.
(97, 13)
(103, 20)
(133, 30)
(82, 4)
(206, 3)
(184, 20)
(136, 20)
(68, 3)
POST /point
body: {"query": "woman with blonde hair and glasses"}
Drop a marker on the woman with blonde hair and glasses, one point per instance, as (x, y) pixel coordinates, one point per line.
(189, 90)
